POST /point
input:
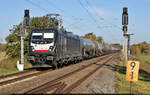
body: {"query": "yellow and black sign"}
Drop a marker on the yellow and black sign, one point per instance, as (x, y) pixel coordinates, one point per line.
(132, 71)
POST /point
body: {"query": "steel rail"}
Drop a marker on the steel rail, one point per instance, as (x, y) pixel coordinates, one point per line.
(22, 77)
(47, 86)
(77, 83)
(16, 74)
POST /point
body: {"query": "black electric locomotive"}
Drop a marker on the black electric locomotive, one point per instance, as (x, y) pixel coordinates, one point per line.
(53, 47)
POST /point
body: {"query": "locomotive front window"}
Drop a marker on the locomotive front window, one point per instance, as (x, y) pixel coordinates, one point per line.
(43, 38)
(36, 37)
(48, 36)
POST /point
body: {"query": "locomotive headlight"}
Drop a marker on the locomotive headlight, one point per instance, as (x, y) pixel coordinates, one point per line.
(32, 48)
(51, 48)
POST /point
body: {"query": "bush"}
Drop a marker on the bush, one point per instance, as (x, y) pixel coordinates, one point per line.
(2, 47)
(140, 49)
(8, 64)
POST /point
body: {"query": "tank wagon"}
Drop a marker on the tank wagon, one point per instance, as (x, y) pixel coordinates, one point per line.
(87, 48)
(98, 49)
(53, 47)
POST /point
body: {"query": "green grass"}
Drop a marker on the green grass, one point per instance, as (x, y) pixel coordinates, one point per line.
(145, 58)
(8, 65)
(4, 71)
(8, 71)
(142, 86)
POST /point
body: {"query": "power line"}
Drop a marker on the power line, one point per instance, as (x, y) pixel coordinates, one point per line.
(101, 18)
(88, 12)
(93, 17)
(38, 6)
(55, 6)
(75, 18)
(78, 20)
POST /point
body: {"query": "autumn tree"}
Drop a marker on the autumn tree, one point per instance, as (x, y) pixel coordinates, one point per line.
(100, 39)
(13, 39)
(133, 50)
(145, 47)
(140, 48)
(90, 36)
(138, 51)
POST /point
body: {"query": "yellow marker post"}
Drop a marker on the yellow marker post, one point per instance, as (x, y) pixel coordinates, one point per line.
(132, 71)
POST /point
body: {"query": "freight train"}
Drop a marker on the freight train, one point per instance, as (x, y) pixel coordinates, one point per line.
(54, 48)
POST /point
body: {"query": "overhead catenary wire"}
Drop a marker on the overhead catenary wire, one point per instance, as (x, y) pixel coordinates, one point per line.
(55, 6)
(88, 12)
(72, 24)
(45, 10)
(38, 6)
(93, 17)
(103, 19)
(78, 20)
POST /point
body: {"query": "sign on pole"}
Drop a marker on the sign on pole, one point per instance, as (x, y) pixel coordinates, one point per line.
(132, 71)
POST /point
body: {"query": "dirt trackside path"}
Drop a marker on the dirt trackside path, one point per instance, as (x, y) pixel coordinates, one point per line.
(103, 81)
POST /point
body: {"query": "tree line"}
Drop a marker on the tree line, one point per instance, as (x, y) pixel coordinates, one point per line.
(142, 48)
(13, 46)
(13, 39)
(92, 36)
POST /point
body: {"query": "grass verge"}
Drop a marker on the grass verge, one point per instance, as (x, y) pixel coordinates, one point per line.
(142, 86)
(145, 58)
(8, 66)
(8, 71)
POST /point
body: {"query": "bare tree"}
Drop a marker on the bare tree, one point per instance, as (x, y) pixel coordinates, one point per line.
(1, 40)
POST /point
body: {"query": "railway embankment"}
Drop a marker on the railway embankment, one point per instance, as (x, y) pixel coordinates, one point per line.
(104, 81)
(109, 77)
(143, 84)
(72, 78)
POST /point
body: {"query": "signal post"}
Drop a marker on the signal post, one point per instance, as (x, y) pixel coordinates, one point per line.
(132, 66)
(125, 29)
(25, 25)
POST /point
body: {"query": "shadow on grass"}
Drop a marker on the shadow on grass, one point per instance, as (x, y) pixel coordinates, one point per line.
(143, 75)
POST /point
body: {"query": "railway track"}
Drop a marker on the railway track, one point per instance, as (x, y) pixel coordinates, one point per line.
(16, 74)
(12, 78)
(25, 75)
(54, 84)
(57, 85)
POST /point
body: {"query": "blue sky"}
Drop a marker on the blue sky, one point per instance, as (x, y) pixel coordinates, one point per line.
(103, 17)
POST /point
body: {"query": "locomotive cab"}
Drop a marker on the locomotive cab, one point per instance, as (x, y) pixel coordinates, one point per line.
(41, 47)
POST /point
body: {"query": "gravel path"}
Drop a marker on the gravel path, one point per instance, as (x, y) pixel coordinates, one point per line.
(103, 81)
